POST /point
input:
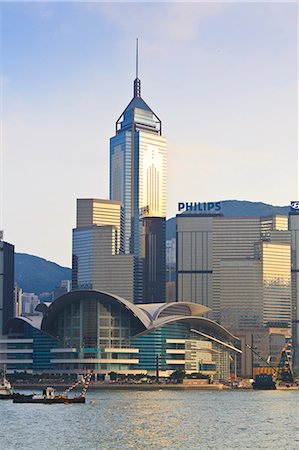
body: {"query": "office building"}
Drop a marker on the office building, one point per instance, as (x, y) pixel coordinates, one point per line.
(154, 271)
(294, 229)
(65, 286)
(6, 282)
(240, 267)
(17, 300)
(98, 261)
(94, 211)
(138, 176)
(170, 270)
(29, 303)
(106, 333)
(237, 266)
(171, 251)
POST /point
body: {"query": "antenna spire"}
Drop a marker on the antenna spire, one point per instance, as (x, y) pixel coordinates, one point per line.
(137, 82)
(137, 58)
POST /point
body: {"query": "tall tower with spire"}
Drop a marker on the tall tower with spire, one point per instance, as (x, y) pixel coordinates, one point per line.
(138, 180)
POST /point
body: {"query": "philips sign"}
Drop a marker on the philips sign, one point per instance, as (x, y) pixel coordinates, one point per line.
(205, 207)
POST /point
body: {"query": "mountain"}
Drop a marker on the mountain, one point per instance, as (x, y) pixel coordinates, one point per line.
(34, 274)
(237, 208)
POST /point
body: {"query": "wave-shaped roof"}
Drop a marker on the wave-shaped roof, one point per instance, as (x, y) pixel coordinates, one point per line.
(150, 316)
(33, 320)
(73, 296)
(157, 310)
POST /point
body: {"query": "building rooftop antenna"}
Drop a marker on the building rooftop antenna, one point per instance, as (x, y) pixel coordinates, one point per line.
(137, 82)
(137, 58)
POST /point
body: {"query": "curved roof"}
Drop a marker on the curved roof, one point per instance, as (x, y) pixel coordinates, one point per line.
(34, 321)
(202, 322)
(150, 316)
(157, 310)
(43, 307)
(73, 296)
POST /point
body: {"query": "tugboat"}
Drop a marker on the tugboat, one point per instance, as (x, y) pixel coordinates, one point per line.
(6, 390)
(48, 396)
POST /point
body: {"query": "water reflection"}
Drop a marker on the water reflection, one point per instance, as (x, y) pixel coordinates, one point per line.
(156, 420)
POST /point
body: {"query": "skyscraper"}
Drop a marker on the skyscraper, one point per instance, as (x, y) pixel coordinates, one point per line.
(294, 229)
(98, 260)
(6, 283)
(138, 175)
(240, 267)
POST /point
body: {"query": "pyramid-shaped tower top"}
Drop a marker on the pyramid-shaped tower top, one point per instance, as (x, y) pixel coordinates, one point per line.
(138, 115)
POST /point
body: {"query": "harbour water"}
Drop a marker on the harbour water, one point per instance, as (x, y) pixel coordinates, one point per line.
(156, 420)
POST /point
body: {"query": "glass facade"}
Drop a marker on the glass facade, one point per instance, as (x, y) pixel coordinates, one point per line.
(96, 325)
(97, 263)
(138, 176)
(194, 260)
(82, 264)
(154, 266)
(27, 349)
(294, 228)
(238, 266)
(276, 259)
(176, 347)
(153, 344)
(92, 211)
(92, 330)
(6, 283)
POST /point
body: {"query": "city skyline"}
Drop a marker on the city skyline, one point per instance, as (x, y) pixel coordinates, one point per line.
(227, 97)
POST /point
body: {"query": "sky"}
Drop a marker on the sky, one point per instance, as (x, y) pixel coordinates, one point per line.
(222, 77)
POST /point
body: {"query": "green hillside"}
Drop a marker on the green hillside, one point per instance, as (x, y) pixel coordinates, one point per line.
(34, 274)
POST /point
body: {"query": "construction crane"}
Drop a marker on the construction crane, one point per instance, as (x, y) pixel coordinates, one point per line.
(284, 370)
(285, 366)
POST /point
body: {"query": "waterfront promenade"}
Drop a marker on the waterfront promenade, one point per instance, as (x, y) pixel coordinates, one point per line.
(127, 386)
(96, 385)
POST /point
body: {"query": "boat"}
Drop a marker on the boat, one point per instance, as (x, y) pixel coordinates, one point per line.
(264, 382)
(48, 396)
(6, 390)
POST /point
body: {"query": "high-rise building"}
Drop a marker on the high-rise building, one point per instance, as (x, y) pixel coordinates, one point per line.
(94, 211)
(170, 270)
(29, 303)
(17, 300)
(294, 229)
(237, 266)
(138, 175)
(65, 286)
(240, 267)
(98, 260)
(153, 274)
(6, 283)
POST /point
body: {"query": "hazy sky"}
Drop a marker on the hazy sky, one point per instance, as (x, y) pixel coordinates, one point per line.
(223, 78)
